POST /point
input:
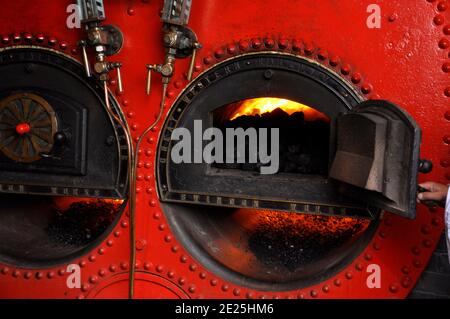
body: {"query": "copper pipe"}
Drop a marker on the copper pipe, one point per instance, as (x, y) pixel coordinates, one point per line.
(133, 192)
(131, 185)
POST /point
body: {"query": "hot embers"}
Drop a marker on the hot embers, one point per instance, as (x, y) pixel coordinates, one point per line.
(82, 221)
(42, 230)
(292, 241)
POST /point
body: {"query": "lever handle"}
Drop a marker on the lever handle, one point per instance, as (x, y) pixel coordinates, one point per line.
(196, 46)
(87, 68)
(59, 140)
(150, 68)
(119, 76)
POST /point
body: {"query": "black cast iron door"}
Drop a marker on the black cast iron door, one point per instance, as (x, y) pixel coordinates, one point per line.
(56, 137)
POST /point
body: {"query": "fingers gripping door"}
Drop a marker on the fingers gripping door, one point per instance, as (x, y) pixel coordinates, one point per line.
(377, 156)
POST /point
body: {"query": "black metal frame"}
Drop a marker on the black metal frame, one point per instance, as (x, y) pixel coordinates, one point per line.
(244, 77)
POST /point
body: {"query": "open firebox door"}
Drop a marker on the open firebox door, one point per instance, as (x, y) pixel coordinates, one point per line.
(338, 155)
(373, 165)
(377, 156)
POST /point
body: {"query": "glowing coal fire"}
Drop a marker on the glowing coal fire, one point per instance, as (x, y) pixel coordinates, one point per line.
(77, 221)
(63, 203)
(293, 240)
(43, 230)
(300, 224)
(264, 105)
(304, 132)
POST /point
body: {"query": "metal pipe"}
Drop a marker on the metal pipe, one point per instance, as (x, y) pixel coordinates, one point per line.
(132, 167)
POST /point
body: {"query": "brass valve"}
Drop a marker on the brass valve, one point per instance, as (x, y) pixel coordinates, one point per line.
(105, 40)
(178, 40)
(104, 67)
(166, 70)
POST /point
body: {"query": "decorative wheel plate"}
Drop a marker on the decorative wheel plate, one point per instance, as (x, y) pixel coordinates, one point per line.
(27, 126)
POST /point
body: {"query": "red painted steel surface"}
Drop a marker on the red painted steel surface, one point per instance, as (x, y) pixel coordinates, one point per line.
(406, 61)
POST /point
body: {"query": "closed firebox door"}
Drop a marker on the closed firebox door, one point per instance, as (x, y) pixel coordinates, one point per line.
(377, 156)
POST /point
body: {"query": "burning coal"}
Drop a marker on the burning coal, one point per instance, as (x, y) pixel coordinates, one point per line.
(303, 133)
(290, 241)
(77, 222)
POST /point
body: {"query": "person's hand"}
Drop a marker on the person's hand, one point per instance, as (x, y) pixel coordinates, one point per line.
(435, 192)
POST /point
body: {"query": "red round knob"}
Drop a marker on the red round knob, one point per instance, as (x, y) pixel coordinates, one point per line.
(23, 128)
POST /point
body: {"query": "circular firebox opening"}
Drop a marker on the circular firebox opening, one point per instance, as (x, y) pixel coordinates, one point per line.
(266, 249)
(63, 159)
(43, 231)
(235, 221)
(271, 249)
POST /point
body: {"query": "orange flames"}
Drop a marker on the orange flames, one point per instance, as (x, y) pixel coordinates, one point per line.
(64, 203)
(301, 223)
(264, 105)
